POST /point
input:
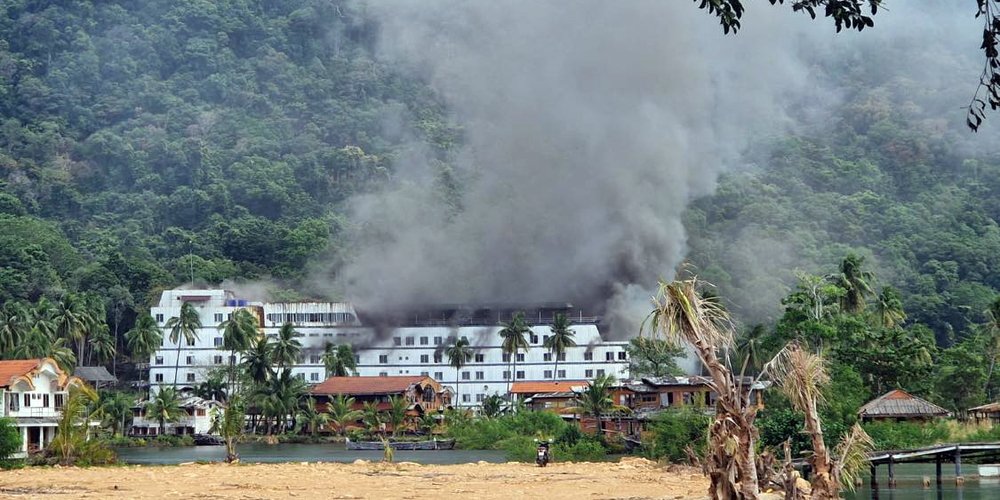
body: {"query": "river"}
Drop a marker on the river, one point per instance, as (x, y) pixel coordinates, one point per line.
(259, 452)
(909, 485)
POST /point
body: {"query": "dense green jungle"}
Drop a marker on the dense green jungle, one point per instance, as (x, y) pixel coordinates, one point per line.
(145, 142)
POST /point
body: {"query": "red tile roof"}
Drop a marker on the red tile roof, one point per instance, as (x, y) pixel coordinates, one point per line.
(546, 387)
(13, 369)
(367, 385)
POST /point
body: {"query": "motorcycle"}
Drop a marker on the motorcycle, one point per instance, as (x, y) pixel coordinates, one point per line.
(542, 453)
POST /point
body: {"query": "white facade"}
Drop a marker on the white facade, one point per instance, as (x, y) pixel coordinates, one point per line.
(33, 396)
(410, 350)
(197, 421)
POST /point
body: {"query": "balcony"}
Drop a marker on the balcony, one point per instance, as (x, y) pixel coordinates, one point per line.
(40, 412)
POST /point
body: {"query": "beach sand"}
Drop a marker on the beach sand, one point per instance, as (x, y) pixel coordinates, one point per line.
(631, 478)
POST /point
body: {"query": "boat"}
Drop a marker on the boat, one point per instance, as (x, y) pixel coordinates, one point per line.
(434, 444)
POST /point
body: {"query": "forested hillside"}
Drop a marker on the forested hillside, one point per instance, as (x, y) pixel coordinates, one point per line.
(133, 134)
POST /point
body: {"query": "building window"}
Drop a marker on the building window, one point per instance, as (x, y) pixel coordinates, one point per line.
(383, 359)
(218, 317)
(506, 357)
(189, 360)
(232, 359)
(480, 376)
(383, 374)
(158, 360)
(27, 400)
(562, 356)
(159, 318)
(300, 376)
(314, 359)
(588, 356)
(600, 373)
(548, 374)
(545, 339)
(45, 400)
(609, 356)
(621, 355)
(547, 356)
(437, 340)
(465, 398)
(217, 341)
(424, 358)
(437, 358)
(314, 377)
(506, 374)
(409, 340)
(357, 359)
(480, 358)
(438, 375)
(217, 359)
(158, 377)
(465, 375)
(588, 373)
(561, 374)
(190, 342)
(423, 340)
(397, 341)
(425, 374)
(480, 398)
(60, 401)
(520, 374)
(190, 377)
(520, 358)
(534, 338)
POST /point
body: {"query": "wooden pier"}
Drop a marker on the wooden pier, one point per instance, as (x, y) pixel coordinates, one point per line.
(937, 454)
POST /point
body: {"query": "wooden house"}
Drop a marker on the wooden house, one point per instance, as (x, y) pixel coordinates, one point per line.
(899, 405)
(423, 394)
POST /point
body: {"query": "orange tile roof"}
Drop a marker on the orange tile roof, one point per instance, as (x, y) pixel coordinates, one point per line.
(546, 387)
(10, 370)
(366, 385)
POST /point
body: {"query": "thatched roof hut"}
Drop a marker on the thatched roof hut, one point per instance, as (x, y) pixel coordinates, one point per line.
(900, 405)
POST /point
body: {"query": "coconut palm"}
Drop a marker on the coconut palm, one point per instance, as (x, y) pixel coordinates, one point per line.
(560, 340)
(889, 308)
(427, 423)
(287, 346)
(70, 319)
(856, 282)
(73, 424)
(94, 324)
(371, 417)
(801, 376)
(342, 412)
(279, 397)
(309, 418)
(238, 333)
(256, 362)
(144, 338)
(229, 421)
(16, 320)
(116, 410)
(212, 388)
(749, 345)
(596, 400)
(682, 313)
(397, 413)
(102, 346)
(165, 407)
(492, 406)
(183, 327)
(513, 340)
(459, 354)
(339, 360)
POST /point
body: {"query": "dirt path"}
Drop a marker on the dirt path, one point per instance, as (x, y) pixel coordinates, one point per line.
(632, 478)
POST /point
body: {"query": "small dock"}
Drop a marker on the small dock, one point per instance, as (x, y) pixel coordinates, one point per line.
(951, 454)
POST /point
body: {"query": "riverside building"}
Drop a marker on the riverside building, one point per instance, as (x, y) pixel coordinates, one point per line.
(411, 343)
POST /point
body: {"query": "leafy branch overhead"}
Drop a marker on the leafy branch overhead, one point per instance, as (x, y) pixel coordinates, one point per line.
(858, 14)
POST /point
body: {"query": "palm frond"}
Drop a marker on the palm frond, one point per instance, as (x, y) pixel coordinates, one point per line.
(800, 374)
(852, 456)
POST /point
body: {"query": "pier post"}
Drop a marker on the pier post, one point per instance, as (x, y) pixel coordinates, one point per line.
(874, 481)
(937, 469)
(959, 480)
(892, 474)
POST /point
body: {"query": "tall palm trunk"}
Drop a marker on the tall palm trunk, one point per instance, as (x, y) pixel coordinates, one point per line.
(555, 372)
(823, 486)
(456, 388)
(177, 361)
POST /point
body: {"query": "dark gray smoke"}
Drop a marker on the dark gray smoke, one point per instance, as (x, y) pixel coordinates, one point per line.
(588, 128)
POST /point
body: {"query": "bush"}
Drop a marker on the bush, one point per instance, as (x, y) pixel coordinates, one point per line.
(675, 430)
(902, 435)
(124, 442)
(10, 439)
(168, 440)
(584, 450)
(94, 452)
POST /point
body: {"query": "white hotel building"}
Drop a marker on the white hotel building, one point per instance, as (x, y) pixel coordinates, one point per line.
(404, 346)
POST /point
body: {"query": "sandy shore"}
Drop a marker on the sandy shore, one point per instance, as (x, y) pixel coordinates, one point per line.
(632, 478)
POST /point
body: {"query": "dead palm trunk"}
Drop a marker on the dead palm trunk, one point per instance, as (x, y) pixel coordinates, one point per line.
(681, 313)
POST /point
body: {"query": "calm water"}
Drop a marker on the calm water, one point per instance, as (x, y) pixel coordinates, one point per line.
(909, 479)
(258, 452)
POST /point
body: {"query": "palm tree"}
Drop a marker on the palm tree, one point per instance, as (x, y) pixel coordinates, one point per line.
(492, 406)
(116, 408)
(889, 308)
(279, 397)
(238, 333)
(70, 320)
(561, 338)
(339, 360)
(15, 325)
(287, 347)
(427, 422)
(596, 400)
(95, 323)
(856, 282)
(801, 376)
(229, 423)
(309, 418)
(257, 360)
(342, 412)
(185, 326)
(371, 417)
(513, 341)
(71, 430)
(992, 331)
(682, 312)
(749, 345)
(165, 407)
(459, 355)
(144, 338)
(397, 413)
(213, 388)
(102, 346)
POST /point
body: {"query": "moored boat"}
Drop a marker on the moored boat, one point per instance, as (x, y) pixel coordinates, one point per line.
(434, 444)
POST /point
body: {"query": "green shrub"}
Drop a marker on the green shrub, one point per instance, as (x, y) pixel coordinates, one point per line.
(584, 450)
(10, 438)
(94, 452)
(674, 430)
(902, 435)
